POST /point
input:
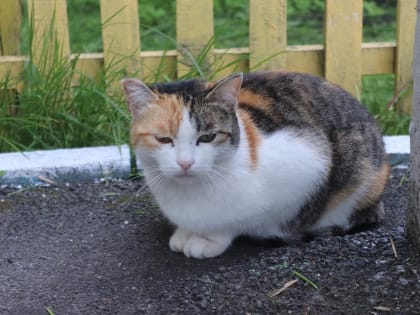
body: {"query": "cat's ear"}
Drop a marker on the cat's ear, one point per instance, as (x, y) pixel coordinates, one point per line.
(138, 96)
(227, 90)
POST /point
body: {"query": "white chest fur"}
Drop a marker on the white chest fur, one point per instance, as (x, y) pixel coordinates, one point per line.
(237, 199)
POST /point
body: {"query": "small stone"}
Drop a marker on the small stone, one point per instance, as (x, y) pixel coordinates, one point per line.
(204, 303)
(400, 269)
(403, 281)
(379, 275)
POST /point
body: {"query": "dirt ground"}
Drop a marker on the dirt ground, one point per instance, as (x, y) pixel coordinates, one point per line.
(102, 248)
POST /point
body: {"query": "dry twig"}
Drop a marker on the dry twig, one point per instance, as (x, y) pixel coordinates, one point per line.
(287, 285)
(382, 308)
(49, 181)
(394, 249)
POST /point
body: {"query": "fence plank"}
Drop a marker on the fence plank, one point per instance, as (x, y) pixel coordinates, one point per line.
(267, 34)
(306, 58)
(121, 38)
(230, 60)
(195, 30)
(378, 58)
(343, 39)
(406, 19)
(10, 26)
(50, 27)
(159, 66)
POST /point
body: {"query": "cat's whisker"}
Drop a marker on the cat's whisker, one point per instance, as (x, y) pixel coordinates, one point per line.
(210, 184)
(156, 181)
(223, 171)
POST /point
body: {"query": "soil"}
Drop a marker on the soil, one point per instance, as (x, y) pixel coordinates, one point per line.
(102, 248)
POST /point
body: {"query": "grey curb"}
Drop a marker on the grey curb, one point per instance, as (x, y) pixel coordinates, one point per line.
(85, 164)
(64, 165)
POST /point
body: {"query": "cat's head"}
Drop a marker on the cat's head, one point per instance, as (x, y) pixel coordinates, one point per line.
(186, 129)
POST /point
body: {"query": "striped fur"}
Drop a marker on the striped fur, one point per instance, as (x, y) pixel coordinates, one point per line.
(270, 155)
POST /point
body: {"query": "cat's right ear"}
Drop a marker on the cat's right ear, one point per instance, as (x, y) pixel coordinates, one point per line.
(138, 96)
(227, 90)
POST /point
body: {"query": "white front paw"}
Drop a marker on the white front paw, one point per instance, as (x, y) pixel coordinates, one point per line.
(178, 240)
(198, 246)
(203, 247)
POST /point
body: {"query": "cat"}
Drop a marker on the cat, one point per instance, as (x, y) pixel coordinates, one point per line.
(271, 155)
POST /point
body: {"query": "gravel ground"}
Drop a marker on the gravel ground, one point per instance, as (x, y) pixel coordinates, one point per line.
(101, 248)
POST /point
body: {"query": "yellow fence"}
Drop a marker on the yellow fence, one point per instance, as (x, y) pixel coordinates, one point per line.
(343, 59)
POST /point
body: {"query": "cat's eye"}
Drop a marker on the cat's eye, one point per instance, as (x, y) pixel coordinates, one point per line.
(206, 138)
(163, 140)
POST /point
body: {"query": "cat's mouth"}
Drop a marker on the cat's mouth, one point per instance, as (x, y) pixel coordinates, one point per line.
(185, 175)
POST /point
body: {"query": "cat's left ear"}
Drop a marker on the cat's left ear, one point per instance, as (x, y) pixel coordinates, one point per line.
(227, 90)
(138, 95)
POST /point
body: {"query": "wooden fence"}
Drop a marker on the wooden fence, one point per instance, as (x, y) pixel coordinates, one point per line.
(343, 59)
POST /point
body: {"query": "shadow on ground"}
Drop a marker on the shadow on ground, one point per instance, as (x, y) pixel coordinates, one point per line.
(101, 248)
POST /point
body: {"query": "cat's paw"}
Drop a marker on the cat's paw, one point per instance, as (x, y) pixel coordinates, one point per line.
(178, 240)
(197, 246)
(200, 247)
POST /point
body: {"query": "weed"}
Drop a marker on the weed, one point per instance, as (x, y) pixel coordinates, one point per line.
(380, 100)
(404, 179)
(302, 277)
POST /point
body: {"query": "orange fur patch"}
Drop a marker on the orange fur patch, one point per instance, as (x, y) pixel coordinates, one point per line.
(161, 119)
(253, 137)
(255, 100)
(340, 197)
(375, 181)
(376, 186)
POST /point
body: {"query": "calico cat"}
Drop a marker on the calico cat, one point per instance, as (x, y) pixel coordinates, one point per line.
(267, 155)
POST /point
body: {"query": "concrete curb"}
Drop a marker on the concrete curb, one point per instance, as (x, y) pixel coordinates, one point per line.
(64, 165)
(85, 164)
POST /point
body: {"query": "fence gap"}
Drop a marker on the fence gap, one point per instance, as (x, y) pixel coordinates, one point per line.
(267, 34)
(343, 43)
(194, 32)
(406, 20)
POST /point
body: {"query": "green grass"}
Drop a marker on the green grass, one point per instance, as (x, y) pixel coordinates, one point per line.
(54, 111)
(378, 96)
(50, 117)
(47, 117)
(302, 277)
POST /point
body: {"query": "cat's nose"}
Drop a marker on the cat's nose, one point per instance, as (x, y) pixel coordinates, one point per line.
(185, 164)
